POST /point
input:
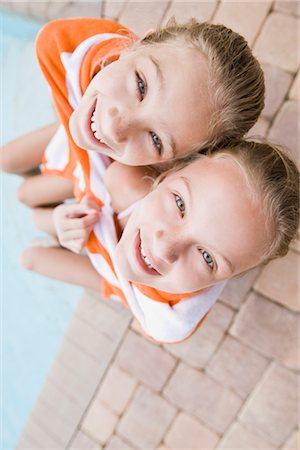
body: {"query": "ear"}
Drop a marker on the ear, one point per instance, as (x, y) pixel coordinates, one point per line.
(147, 33)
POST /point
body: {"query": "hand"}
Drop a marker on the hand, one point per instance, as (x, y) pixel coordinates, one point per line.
(74, 223)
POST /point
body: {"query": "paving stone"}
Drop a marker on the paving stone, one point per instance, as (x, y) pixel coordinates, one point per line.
(277, 83)
(115, 305)
(236, 366)
(19, 7)
(279, 281)
(266, 327)
(239, 437)
(198, 394)
(25, 443)
(116, 443)
(293, 443)
(199, 348)
(237, 288)
(142, 16)
(107, 317)
(135, 326)
(55, 8)
(38, 9)
(259, 129)
(291, 359)
(183, 11)
(75, 359)
(92, 342)
(81, 9)
(141, 359)
(99, 422)
(187, 433)
(285, 128)
(83, 442)
(69, 383)
(59, 402)
(272, 408)
(271, 45)
(294, 93)
(116, 389)
(113, 9)
(290, 7)
(242, 17)
(146, 419)
(40, 437)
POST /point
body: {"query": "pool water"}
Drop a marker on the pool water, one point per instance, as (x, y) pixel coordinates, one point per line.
(35, 311)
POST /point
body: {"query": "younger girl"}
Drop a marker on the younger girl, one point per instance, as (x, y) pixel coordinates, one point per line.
(204, 222)
(139, 101)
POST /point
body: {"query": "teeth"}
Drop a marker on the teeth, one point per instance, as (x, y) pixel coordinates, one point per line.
(96, 135)
(94, 129)
(145, 258)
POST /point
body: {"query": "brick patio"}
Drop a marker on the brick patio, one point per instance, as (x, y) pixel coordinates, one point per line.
(234, 384)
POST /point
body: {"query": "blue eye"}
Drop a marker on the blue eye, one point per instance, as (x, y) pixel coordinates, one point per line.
(207, 258)
(156, 142)
(180, 204)
(140, 86)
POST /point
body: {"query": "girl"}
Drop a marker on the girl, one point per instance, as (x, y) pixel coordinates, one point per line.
(204, 222)
(138, 101)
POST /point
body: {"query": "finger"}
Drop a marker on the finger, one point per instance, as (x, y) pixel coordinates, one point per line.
(73, 244)
(77, 210)
(80, 223)
(75, 234)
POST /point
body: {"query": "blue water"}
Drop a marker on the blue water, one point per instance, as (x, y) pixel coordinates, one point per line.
(34, 310)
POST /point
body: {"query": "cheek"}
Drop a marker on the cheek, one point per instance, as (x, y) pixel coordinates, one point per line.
(110, 80)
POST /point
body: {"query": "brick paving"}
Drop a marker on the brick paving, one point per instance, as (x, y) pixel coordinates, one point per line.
(233, 385)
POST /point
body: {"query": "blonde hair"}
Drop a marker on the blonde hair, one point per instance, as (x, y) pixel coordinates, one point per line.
(274, 178)
(236, 78)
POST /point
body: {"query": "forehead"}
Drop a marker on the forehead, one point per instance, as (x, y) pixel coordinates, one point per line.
(221, 174)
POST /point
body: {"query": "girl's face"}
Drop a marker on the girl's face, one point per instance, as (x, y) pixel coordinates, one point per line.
(150, 106)
(200, 225)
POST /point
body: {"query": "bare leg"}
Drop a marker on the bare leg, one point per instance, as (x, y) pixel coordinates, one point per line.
(25, 152)
(42, 219)
(44, 190)
(62, 265)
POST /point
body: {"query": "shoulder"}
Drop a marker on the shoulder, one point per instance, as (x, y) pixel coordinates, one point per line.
(127, 184)
(72, 31)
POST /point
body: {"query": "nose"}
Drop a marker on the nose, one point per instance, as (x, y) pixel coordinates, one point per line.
(168, 246)
(122, 124)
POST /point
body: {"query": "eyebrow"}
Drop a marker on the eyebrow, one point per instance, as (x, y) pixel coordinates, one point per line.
(187, 185)
(161, 80)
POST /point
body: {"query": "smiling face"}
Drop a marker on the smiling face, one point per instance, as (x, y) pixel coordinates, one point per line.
(200, 225)
(150, 106)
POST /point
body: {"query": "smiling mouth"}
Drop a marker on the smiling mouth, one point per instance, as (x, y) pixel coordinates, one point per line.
(93, 132)
(142, 258)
